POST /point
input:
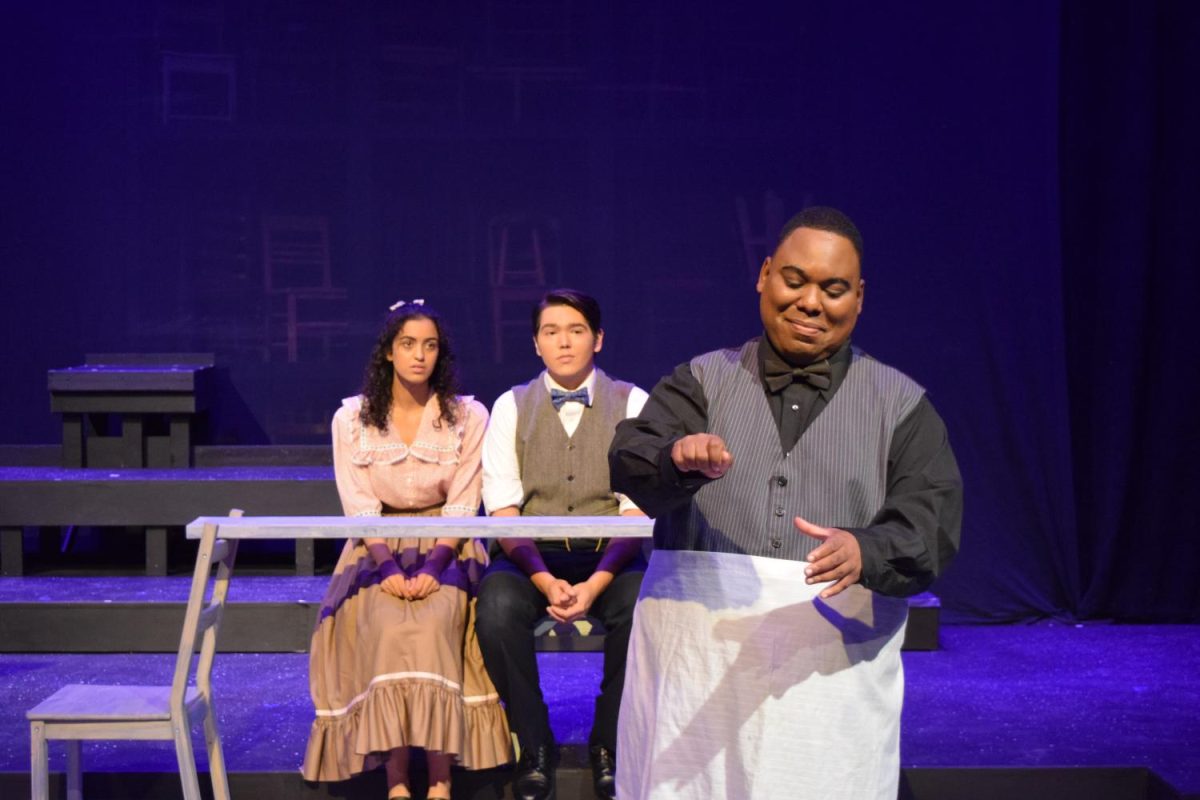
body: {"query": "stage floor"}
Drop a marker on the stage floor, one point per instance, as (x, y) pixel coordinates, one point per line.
(1037, 695)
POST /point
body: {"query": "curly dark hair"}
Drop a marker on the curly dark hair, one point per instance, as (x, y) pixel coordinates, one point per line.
(377, 378)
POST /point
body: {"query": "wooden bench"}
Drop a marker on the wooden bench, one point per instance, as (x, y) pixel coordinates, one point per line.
(155, 499)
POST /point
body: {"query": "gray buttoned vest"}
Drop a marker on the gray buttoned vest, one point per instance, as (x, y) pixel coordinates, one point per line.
(836, 475)
(561, 475)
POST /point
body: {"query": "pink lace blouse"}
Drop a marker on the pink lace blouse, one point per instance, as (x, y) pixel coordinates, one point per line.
(441, 465)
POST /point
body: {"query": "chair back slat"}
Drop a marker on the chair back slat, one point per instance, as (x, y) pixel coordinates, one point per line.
(201, 624)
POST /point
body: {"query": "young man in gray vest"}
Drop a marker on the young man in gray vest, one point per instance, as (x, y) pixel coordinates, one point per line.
(801, 491)
(545, 454)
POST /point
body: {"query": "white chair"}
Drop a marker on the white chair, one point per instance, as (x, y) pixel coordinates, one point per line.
(88, 711)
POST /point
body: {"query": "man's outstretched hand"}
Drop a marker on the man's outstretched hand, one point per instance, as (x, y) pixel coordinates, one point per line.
(838, 559)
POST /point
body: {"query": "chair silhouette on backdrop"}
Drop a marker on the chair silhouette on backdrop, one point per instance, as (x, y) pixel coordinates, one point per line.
(298, 281)
(758, 243)
(522, 250)
(98, 712)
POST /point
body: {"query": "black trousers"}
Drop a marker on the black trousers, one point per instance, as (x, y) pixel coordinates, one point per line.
(508, 609)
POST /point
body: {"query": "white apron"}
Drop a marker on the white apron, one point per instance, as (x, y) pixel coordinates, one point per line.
(742, 683)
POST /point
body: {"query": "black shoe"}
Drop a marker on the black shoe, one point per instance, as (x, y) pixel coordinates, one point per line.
(535, 773)
(604, 771)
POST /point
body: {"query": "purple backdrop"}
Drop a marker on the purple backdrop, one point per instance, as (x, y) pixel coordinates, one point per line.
(1024, 175)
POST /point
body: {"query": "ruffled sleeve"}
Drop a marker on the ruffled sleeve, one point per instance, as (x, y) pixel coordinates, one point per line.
(349, 470)
(462, 494)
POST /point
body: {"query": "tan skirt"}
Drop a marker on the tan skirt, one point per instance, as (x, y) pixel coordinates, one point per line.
(386, 672)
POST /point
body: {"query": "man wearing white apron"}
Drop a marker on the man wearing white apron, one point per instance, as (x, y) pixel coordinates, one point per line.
(801, 490)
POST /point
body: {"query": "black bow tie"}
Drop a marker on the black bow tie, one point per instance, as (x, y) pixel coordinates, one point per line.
(779, 376)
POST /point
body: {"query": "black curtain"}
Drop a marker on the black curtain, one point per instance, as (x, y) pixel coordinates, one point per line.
(1130, 175)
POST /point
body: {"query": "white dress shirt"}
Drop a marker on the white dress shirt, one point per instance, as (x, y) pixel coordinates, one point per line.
(501, 469)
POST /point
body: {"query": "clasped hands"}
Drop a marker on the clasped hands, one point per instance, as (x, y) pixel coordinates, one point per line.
(569, 602)
(417, 587)
(837, 559)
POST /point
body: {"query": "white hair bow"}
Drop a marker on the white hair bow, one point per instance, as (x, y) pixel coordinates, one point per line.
(420, 301)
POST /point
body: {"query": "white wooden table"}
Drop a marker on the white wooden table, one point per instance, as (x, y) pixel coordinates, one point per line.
(424, 527)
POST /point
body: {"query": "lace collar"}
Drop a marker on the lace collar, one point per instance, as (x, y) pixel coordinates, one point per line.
(432, 445)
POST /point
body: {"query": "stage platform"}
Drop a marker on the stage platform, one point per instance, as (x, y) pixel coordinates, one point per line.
(1108, 712)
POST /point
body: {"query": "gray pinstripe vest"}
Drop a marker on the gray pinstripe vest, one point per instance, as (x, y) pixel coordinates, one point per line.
(836, 475)
(564, 475)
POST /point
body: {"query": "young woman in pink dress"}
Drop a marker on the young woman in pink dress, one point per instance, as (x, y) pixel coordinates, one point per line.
(394, 665)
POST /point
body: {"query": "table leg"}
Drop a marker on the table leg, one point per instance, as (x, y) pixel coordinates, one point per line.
(12, 555)
(133, 441)
(180, 439)
(156, 551)
(74, 769)
(39, 766)
(72, 447)
(305, 557)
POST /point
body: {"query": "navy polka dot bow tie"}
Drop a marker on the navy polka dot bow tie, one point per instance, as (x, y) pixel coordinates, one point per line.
(558, 397)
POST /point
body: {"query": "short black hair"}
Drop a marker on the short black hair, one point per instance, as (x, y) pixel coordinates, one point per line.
(585, 304)
(824, 218)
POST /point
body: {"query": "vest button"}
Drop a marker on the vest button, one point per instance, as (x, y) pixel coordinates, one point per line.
(570, 508)
(779, 511)
(782, 481)
(570, 477)
(776, 544)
